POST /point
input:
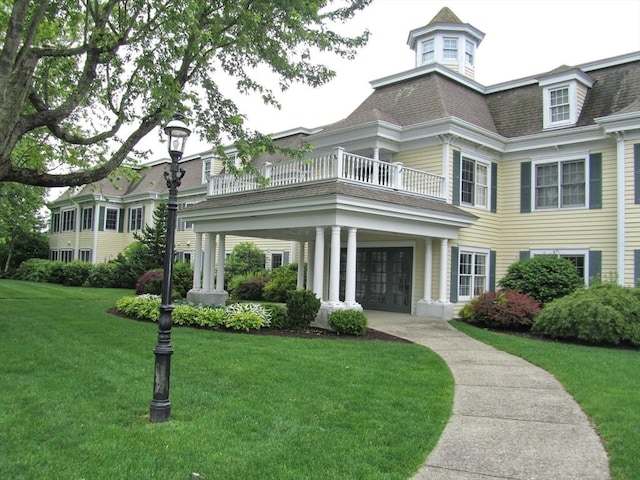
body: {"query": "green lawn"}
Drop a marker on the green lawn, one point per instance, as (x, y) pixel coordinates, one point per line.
(76, 382)
(605, 382)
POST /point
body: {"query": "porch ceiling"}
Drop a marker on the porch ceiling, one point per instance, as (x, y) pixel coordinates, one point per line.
(292, 213)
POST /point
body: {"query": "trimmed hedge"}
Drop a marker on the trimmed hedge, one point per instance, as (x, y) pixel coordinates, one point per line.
(349, 322)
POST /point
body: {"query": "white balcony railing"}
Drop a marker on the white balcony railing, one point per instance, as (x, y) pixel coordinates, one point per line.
(338, 164)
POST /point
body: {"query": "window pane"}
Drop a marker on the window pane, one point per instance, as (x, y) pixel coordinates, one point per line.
(450, 48)
(547, 186)
(482, 182)
(578, 261)
(467, 181)
(559, 102)
(111, 220)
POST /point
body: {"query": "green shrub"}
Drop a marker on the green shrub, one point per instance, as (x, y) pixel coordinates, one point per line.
(35, 270)
(606, 313)
(508, 310)
(245, 257)
(76, 273)
(246, 321)
(182, 278)
(105, 275)
(248, 287)
(283, 280)
(56, 274)
(278, 314)
(142, 307)
(209, 317)
(302, 308)
(350, 322)
(543, 278)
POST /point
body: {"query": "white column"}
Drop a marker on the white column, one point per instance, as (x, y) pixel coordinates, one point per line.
(334, 266)
(444, 256)
(206, 274)
(310, 264)
(300, 282)
(428, 268)
(350, 277)
(221, 258)
(318, 265)
(197, 264)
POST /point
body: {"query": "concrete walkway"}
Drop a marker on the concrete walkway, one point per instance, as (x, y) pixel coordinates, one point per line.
(511, 419)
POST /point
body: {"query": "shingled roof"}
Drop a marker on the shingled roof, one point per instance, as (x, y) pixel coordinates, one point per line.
(510, 112)
(445, 15)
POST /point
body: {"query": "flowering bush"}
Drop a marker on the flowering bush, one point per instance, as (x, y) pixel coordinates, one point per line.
(504, 309)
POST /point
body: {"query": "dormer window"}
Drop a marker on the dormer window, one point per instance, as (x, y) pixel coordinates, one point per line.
(563, 93)
(559, 105)
(450, 51)
(428, 51)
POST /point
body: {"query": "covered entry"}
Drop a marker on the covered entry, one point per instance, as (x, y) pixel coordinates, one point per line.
(383, 278)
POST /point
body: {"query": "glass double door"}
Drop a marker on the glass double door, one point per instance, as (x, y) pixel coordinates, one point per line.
(383, 278)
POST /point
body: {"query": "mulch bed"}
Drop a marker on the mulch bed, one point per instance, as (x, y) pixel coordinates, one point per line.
(311, 332)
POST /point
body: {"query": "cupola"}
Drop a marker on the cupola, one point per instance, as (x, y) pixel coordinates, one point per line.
(447, 41)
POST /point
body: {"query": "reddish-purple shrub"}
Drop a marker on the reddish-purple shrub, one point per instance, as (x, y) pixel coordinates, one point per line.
(150, 282)
(505, 309)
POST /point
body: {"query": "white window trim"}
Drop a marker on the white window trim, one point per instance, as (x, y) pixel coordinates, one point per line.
(566, 252)
(106, 214)
(423, 51)
(559, 160)
(271, 254)
(487, 164)
(142, 222)
(573, 105)
(68, 211)
(472, 52)
(474, 250)
(93, 220)
(206, 161)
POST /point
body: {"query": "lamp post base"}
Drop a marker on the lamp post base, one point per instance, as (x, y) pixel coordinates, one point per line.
(160, 411)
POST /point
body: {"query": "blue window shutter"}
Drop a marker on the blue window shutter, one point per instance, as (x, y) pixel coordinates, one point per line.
(494, 187)
(121, 221)
(101, 219)
(457, 165)
(595, 265)
(524, 254)
(525, 187)
(453, 294)
(595, 180)
(636, 268)
(492, 271)
(636, 172)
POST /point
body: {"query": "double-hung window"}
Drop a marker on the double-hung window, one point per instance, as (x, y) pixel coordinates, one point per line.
(559, 105)
(87, 219)
(474, 183)
(277, 259)
(469, 52)
(136, 220)
(473, 274)
(111, 219)
(428, 51)
(68, 220)
(561, 184)
(450, 50)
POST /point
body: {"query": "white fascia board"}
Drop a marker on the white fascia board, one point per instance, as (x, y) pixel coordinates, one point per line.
(453, 126)
(554, 138)
(619, 122)
(423, 70)
(355, 133)
(444, 28)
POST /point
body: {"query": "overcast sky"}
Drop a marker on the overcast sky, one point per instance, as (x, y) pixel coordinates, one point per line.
(522, 38)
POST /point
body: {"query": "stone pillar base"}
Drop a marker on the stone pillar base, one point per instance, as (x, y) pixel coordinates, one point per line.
(435, 310)
(207, 297)
(322, 319)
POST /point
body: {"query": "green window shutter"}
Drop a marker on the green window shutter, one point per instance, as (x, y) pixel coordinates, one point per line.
(121, 221)
(285, 258)
(457, 165)
(494, 187)
(524, 254)
(144, 213)
(595, 180)
(595, 265)
(525, 187)
(492, 271)
(101, 219)
(129, 220)
(636, 173)
(636, 268)
(453, 294)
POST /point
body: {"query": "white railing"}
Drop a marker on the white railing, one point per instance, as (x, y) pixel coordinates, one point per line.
(338, 164)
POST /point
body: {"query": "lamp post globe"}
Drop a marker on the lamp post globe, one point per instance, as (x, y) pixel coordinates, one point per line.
(160, 410)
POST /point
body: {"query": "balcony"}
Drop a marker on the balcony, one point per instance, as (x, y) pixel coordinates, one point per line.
(337, 165)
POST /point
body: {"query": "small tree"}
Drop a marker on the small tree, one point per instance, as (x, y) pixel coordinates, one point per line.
(542, 277)
(154, 237)
(245, 258)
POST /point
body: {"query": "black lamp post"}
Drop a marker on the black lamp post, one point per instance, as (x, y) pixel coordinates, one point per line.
(160, 411)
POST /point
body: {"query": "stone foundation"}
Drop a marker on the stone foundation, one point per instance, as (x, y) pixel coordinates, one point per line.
(322, 319)
(202, 296)
(435, 310)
